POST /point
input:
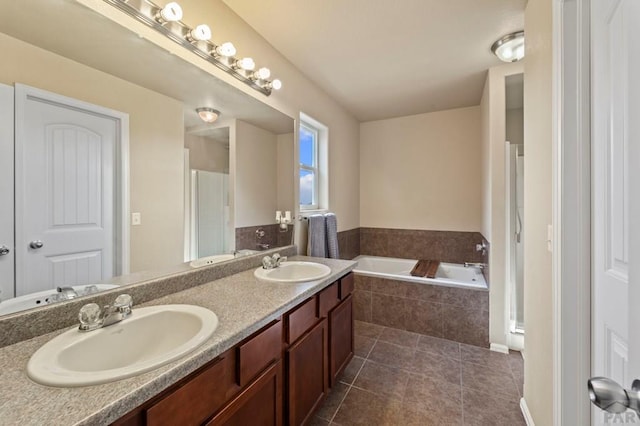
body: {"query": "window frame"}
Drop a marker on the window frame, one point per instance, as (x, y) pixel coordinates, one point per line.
(315, 168)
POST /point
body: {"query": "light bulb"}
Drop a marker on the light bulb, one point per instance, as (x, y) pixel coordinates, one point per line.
(507, 53)
(520, 52)
(275, 84)
(170, 13)
(246, 64)
(226, 49)
(200, 33)
(262, 74)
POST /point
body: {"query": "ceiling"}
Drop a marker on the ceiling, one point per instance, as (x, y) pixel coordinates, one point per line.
(388, 58)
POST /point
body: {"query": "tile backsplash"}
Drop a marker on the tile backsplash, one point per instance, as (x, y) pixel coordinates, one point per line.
(246, 237)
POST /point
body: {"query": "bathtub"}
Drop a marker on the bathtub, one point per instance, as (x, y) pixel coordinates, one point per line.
(448, 274)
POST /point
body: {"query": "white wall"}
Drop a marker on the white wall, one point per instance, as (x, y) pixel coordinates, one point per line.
(207, 154)
(286, 172)
(422, 171)
(538, 368)
(256, 175)
(515, 126)
(156, 131)
(494, 138)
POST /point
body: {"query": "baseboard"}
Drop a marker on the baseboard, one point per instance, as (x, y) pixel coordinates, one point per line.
(525, 413)
(496, 347)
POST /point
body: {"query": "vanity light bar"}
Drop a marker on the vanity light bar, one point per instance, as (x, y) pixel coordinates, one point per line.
(167, 21)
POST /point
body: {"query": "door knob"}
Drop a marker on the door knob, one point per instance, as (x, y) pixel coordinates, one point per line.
(609, 396)
(36, 244)
(4, 250)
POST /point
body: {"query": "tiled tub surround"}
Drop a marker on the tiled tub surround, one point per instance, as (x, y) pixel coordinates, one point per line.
(445, 246)
(349, 243)
(403, 378)
(246, 237)
(142, 286)
(243, 306)
(457, 314)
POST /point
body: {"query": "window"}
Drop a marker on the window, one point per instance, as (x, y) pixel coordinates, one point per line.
(309, 170)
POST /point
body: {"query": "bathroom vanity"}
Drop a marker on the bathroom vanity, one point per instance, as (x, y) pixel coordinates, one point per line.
(290, 364)
(278, 349)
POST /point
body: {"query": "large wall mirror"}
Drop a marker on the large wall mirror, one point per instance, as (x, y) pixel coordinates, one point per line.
(108, 175)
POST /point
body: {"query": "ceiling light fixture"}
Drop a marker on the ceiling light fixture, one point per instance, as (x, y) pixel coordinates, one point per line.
(510, 48)
(172, 12)
(200, 33)
(208, 115)
(197, 41)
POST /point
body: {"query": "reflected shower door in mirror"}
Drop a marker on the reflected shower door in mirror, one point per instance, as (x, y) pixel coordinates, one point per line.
(97, 60)
(208, 211)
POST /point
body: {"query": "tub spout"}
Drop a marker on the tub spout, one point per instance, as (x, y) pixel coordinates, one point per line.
(475, 265)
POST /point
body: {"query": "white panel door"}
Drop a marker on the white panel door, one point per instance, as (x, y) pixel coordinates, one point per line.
(65, 182)
(6, 193)
(615, 136)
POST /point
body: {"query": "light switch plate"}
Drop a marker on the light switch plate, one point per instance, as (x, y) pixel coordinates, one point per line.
(136, 218)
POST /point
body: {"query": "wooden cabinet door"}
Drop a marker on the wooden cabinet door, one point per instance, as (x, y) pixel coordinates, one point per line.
(260, 404)
(340, 338)
(307, 375)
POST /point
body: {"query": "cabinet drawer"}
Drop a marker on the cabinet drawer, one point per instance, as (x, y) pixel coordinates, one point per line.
(258, 352)
(346, 286)
(301, 319)
(203, 395)
(328, 299)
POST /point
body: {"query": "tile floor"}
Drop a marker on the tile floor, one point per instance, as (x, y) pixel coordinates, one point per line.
(404, 379)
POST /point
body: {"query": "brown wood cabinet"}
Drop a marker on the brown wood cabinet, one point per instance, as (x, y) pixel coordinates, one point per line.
(277, 376)
(340, 338)
(307, 374)
(259, 404)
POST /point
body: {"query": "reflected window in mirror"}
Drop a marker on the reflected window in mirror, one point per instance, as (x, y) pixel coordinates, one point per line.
(313, 141)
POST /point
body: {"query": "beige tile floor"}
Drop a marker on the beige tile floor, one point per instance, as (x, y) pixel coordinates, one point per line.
(403, 378)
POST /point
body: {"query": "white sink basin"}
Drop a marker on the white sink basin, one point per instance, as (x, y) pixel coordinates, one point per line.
(293, 272)
(148, 339)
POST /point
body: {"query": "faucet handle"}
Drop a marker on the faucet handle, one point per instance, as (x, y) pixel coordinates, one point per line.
(123, 303)
(267, 262)
(90, 316)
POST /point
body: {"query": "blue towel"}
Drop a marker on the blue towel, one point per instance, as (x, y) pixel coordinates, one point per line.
(317, 243)
(332, 235)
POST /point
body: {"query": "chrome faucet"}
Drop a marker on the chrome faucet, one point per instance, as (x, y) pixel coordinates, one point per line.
(475, 265)
(92, 317)
(66, 293)
(273, 261)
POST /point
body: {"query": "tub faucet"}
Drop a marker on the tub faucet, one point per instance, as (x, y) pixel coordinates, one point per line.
(66, 293)
(475, 265)
(92, 317)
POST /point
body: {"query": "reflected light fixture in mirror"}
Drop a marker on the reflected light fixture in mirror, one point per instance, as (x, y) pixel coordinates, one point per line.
(208, 115)
(510, 48)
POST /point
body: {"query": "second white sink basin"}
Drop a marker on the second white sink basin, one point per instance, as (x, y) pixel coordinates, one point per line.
(293, 272)
(150, 338)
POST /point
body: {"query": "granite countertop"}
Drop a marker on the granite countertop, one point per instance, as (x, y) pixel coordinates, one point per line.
(243, 306)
